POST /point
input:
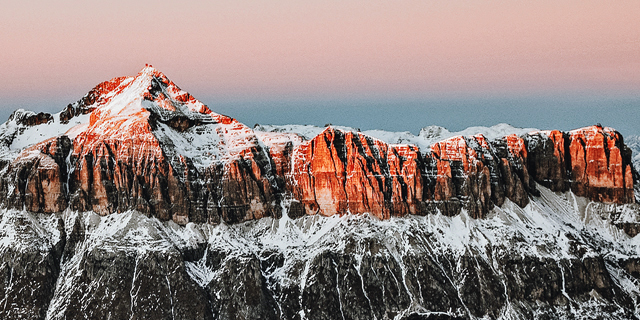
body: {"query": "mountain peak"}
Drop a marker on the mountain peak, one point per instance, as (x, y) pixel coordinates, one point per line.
(150, 91)
(148, 67)
(149, 73)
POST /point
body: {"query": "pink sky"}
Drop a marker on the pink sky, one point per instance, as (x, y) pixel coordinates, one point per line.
(291, 49)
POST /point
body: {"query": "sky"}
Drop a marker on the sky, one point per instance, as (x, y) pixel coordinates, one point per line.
(394, 65)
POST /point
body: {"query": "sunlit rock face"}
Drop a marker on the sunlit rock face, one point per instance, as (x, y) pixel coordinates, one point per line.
(150, 147)
(36, 179)
(601, 165)
(591, 161)
(139, 202)
(141, 143)
(341, 172)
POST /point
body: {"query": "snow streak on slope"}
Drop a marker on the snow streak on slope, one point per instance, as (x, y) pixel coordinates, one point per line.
(544, 224)
(123, 265)
(35, 134)
(553, 226)
(110, 258)
(25, 230)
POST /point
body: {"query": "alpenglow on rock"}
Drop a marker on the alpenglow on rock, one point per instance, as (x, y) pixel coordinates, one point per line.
(146, 145)
(139, 201)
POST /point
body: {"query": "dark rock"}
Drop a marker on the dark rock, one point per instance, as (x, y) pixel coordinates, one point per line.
(29, 267)
(240, 292)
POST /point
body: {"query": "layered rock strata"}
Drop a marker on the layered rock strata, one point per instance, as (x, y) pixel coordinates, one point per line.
(341, 172)
(151, 147)
(137, 155)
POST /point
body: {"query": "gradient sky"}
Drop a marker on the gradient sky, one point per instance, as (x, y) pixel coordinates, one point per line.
(396, 65)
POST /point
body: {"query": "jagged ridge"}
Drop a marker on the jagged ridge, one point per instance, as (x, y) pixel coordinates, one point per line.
(492, 227)
(151, 147)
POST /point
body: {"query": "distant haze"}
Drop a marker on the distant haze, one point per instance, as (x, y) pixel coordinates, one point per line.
(394, 65)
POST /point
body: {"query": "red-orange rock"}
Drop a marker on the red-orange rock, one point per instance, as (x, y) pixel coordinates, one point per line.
(592, 162)
(151, 147)
(462, 173)
(341, 172)
(599, 170)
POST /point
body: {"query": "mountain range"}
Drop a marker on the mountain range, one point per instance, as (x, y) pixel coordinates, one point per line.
(139, 202)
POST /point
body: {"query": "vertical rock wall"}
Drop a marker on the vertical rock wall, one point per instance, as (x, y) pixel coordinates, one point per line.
(337, 172)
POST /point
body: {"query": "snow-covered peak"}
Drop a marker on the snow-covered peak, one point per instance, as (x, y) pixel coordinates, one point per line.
(149, 71)
(591, 130)
(150, 91)
(153, 111)
(433, 132)
(427, 136)
(494, 132)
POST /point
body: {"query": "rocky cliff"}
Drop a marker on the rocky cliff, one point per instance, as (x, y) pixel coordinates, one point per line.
(142, 202)
(151, 147)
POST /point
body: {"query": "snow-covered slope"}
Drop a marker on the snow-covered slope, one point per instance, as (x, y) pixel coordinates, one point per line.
(558, 257)
(15, 136)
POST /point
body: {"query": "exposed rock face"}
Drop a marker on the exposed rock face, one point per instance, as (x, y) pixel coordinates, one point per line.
(140, 202)
(339, 172)
(99, 95)
(37, 178)
(29, 263)
(463, 174)
(547, 161)
(131, 266)
(110, 269)
(31, 119)
(592, 162)
(601, 165)
(152, 147)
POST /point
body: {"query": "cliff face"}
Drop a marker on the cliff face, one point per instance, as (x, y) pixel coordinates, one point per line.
(346, 172)
(135, 152)
(138, 201)
(601, 165)
(340, 172)
(151, 147)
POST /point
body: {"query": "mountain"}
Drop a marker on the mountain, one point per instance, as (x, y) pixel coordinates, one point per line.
(138, 201)
(633, 142)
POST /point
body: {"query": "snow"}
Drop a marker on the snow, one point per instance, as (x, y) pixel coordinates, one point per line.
(424, 140)
(550, 226)
(271, 139)
(307, 132)
(20, 137)
(27, 231)
(202, 147)
(633, 142)
(127, 101)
